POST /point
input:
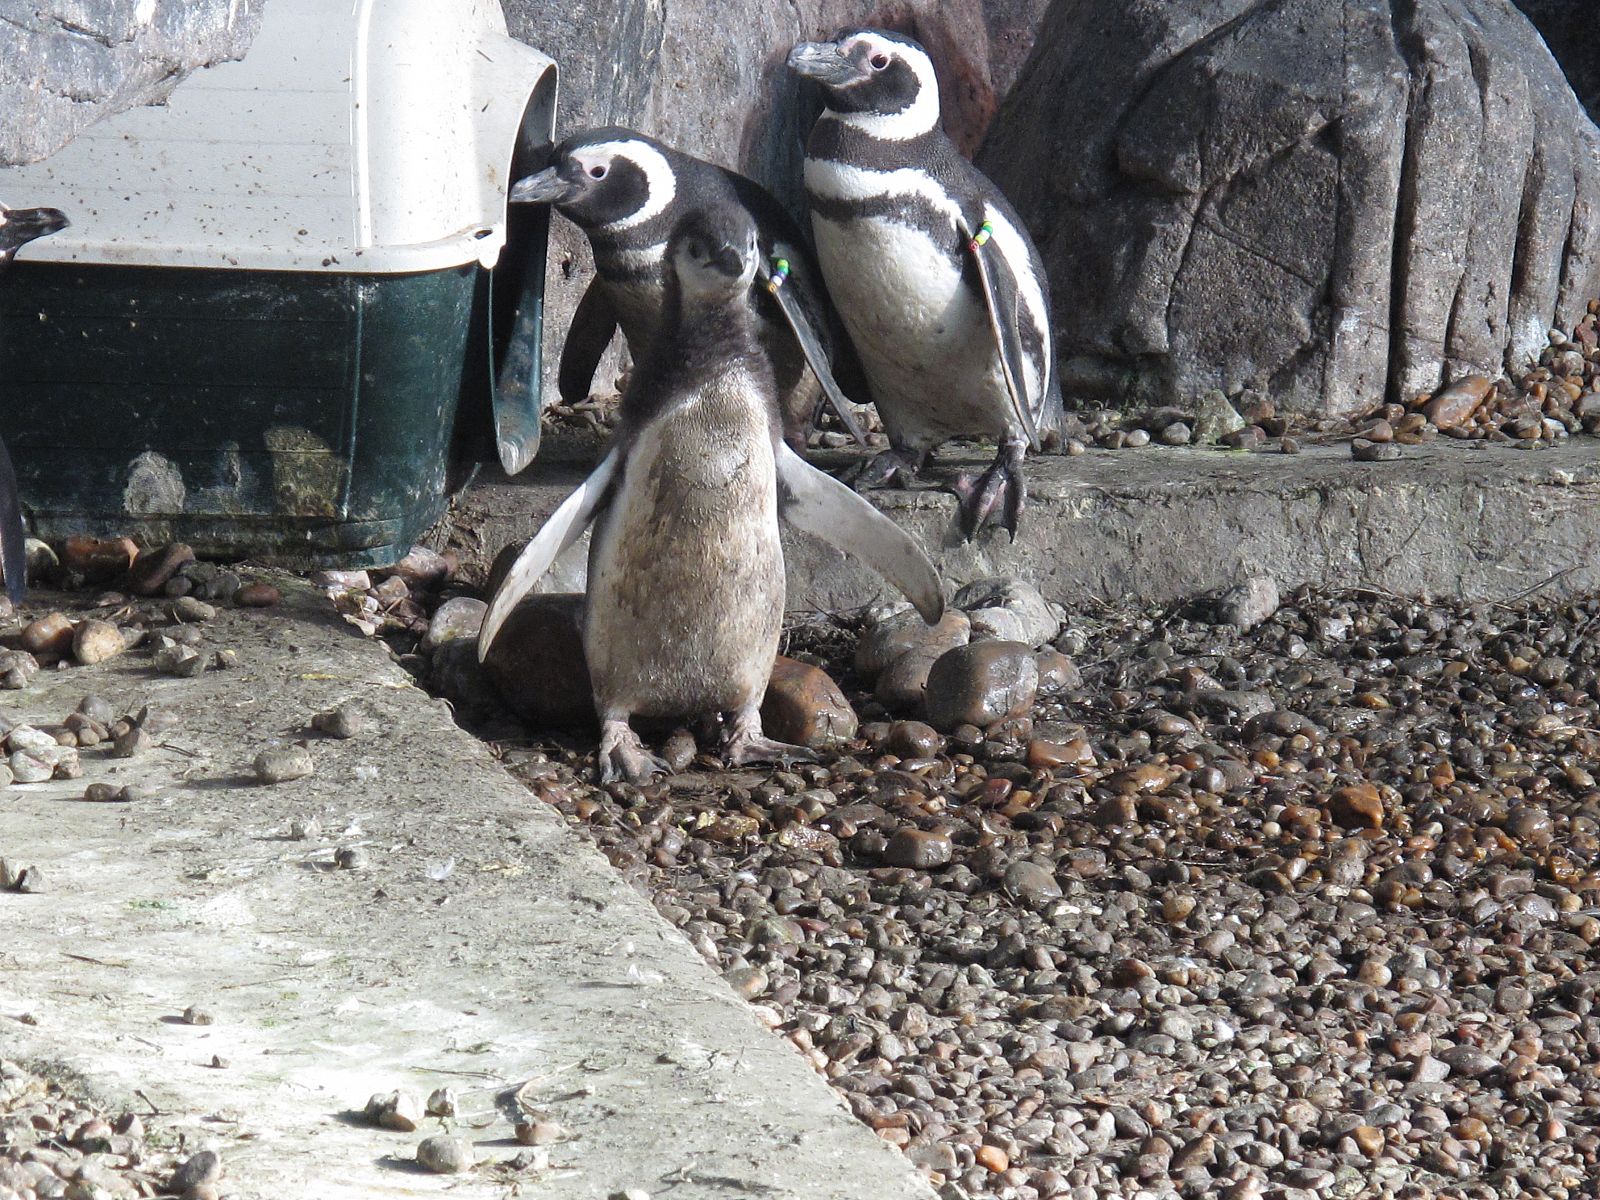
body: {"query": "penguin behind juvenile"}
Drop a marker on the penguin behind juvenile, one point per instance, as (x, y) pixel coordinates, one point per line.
(686, 579)
(626, 192)
(18, 227)
(931, 270)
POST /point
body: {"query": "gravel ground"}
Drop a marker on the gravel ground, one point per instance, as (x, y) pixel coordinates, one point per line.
(1540, 405)
(54, 1144)
(1304, 911)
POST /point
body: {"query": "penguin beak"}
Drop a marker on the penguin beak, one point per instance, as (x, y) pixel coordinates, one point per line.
(22, 225)
(547, 187)
(824, 62)
(729, 260)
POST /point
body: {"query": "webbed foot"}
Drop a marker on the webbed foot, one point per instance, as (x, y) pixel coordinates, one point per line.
(747, 744)
(624, 757)
(997, 496)
(895, 467)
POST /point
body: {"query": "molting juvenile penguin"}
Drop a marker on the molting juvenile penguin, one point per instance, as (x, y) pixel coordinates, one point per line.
(686, 579)
(934, 277)
(18, 227)
(627, 191)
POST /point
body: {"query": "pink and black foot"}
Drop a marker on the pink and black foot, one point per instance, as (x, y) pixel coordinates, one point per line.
(895, 467)
(998, 496)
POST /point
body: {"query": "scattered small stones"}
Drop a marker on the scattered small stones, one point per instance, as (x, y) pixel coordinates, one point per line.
(1365, 450)
(395, 1110)
(96, 642)
(98, 560)
(1008, 610)
(1248, 603)
(1300, 909)
(1216, 419)
(919, 849)
(197, 1171)
(445, 1155)
(153, 568)
(458, 617)
(442, 1102)
(283, 764)
(258, 594)
(184, 662)
(541, 1131)
(344, 721)
(351, 858)
(27, 880)
(189, 610)
(17, 667)
(49, 636)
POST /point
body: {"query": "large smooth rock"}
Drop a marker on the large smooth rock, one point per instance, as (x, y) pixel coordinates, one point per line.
(804, 707)
(1333, 201)
(68, 63)
(538, 665)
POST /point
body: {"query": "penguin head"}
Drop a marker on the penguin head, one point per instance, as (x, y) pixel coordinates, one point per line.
(19, 226)
(604, 178)
(873, 72)
(713, 253)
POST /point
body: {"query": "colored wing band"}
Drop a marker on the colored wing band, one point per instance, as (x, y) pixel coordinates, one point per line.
(780, 272)
(985, 232)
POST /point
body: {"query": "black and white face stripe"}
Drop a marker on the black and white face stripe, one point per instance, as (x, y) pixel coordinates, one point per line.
(19, 226)
(880, 83)
(610, 182)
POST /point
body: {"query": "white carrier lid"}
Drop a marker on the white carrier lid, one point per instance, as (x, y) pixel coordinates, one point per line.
(363, 136)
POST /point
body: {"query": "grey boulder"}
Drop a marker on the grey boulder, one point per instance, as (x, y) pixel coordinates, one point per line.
(1333, 201)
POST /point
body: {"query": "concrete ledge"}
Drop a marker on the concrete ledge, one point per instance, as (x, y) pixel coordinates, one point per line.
(486, 947)
(1157, 525)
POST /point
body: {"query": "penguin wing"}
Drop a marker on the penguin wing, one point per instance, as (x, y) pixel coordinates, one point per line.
(565, 526)
(593, 325)
(1003, 302)
(13, 541)
(820, 505)
(794, 315)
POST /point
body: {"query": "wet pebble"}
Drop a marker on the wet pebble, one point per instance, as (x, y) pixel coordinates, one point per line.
(981, 684)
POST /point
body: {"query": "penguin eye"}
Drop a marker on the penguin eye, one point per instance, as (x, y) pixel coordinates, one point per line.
(597, 171)
(879, 61)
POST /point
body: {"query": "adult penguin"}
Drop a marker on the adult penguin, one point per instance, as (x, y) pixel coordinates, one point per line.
(930, 268)
(18, 227)
(626, 192)
(686, 578)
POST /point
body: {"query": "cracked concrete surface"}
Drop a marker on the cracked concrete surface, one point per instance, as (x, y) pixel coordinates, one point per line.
(486, 947)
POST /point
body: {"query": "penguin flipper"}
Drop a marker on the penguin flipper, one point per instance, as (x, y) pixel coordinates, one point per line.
(820, 505)
(593, 325)
(810, 345)
(1002, 301)
(565, 526)
(13, 540)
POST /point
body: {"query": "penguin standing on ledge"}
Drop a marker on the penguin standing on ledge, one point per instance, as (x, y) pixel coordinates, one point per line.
(18, 227)
(934, 277)
(686, 578)
(626, 192)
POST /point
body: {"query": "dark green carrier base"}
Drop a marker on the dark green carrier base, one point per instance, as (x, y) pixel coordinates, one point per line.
(305, 418)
